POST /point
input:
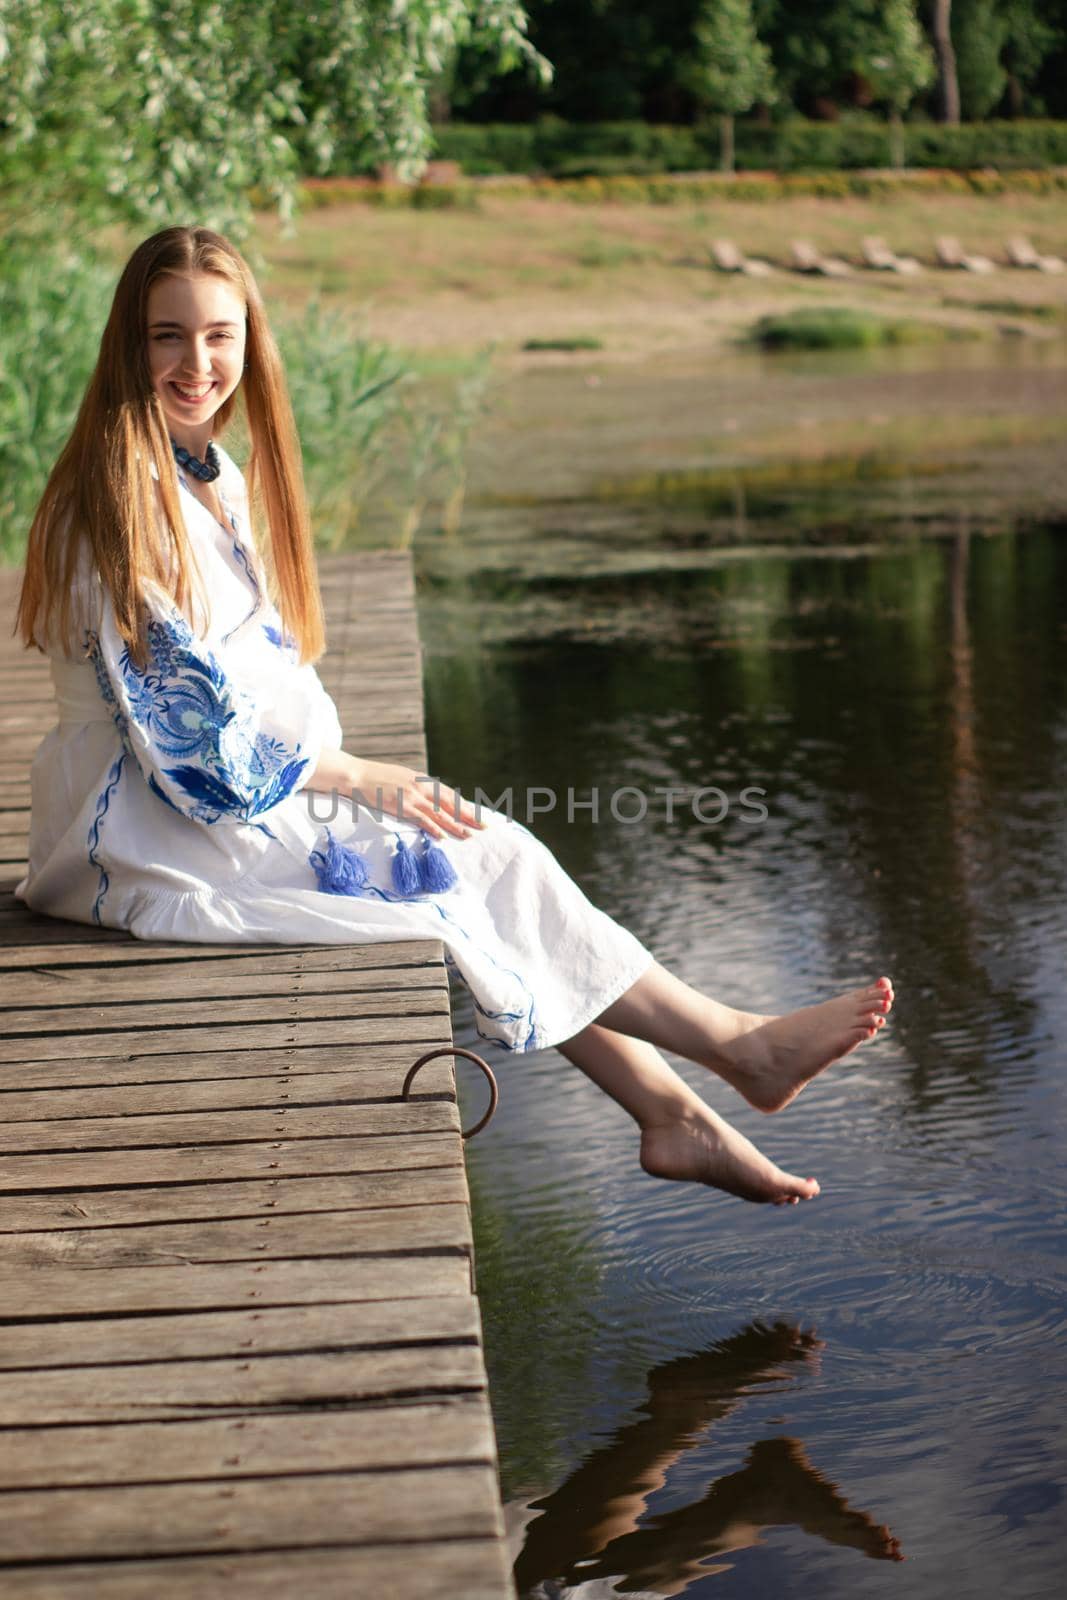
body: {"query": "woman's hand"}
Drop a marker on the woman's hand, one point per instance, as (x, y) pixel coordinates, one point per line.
(426, 802)
(398, 791)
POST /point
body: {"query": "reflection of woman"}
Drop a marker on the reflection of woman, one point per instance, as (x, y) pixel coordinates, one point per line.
(597, 1526)
(170, 799)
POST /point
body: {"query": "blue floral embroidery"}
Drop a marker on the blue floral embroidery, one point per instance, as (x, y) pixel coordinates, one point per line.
(280, 641)
(103, 801)
(187, 709)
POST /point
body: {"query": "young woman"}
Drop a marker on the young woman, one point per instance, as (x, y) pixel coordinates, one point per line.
(172, 799)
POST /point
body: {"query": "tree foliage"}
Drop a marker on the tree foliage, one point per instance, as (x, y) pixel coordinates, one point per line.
(155, 109)
(731, 68)
(627, 59)
(897, 58)
(897, 61)
(978, 34)
(1001, 47)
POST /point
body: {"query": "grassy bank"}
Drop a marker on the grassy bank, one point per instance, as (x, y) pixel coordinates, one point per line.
(638, 278)
(386, 315)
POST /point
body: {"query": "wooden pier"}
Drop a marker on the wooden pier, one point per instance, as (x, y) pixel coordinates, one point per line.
(239, 1349)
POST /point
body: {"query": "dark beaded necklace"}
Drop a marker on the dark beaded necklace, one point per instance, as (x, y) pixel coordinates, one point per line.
(207, 471)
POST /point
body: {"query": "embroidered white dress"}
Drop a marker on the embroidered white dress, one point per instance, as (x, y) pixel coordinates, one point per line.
(172, 803)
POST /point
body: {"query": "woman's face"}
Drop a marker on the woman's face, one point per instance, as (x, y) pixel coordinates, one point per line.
(196, 351)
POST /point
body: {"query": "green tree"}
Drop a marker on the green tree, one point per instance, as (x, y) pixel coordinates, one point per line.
(731, 68)
(819, 48)
(158, 109)
(898, 62)
(1003, 47)
(978, 32)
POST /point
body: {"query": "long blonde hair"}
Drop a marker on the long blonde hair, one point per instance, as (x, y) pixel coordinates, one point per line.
(103, 490)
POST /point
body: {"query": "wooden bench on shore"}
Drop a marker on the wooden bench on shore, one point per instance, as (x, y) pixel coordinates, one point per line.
(240, 1351)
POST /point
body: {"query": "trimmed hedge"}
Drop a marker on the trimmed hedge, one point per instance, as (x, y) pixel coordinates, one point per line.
(667, 188)
(609, 149)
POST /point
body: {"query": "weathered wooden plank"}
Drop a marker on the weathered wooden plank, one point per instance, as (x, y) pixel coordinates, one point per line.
(85, 1072)
(75, 1291)
(427, 1027)
(21, 746)
(55, 981)
(155, 1390)
(24, 930)
(220, 1094)
(455, 1570)
(207, 1014)
(366, 1437)
(283, 1330)
(279, 1235)
(180, 1202)
(211, 1163)
(350, 687)
(298, 1122)
(116, 949)
(242, 1514)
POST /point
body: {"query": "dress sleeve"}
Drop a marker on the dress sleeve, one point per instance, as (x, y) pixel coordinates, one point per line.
(206, 742)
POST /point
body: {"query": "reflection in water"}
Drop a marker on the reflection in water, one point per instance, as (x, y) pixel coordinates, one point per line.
(906, 712)
(962, 697)
(589, 1528)
(963, 809)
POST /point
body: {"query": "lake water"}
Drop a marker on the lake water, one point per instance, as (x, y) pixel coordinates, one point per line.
(698, 1396)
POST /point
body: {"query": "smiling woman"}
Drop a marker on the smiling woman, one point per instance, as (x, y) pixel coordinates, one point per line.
(196, 352)
(172, 798)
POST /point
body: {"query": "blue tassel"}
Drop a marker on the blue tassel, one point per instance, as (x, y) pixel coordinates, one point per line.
(406, 880)
(436, 872)
(339, 869)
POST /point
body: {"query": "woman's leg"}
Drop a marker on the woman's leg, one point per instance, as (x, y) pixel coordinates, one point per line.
(767, 1059)
(681, 1137)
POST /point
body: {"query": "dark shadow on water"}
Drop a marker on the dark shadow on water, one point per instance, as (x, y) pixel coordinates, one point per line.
(598, 1525)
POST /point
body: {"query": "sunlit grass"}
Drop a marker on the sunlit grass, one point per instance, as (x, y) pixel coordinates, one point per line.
(635, 275)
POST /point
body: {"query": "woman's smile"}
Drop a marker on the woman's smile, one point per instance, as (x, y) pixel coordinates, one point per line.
(192, 392)
(196, 351)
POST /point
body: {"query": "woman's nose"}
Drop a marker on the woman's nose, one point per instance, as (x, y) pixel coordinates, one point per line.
(196, 358)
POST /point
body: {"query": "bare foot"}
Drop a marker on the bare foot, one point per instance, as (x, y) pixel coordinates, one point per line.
(701, 1148)
(771, 1061)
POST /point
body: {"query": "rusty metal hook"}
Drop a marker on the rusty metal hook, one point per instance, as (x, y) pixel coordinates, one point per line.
(469, 1055)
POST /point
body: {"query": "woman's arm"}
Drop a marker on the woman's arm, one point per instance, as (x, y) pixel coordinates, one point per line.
(397, 790)
(208, 745)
